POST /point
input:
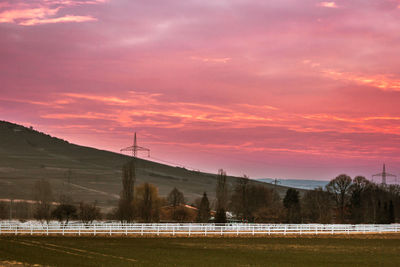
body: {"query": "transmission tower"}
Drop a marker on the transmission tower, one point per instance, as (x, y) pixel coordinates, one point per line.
(384, 174)
(275, 182)
(135, 148)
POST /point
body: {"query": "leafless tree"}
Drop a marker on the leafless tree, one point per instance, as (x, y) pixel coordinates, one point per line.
(88, 212)
(317, 206)
(340, 189)
(240, 199)
(175, 198)
(42, 194)
(126, 206)
(147, 202)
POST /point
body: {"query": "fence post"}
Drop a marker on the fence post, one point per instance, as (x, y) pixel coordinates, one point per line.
(253, 229)
(126, 229)
(173, 230)
(158, 229)
(141, 232)
(47, 229)
(110, 230)
(221, 229)
(284, 232)
(79, 230)
(16, 229)
(189, 228)
(94, 229)
(205, 230)
(63, 231)
(269, 229)
(332, 229)
(31, 228)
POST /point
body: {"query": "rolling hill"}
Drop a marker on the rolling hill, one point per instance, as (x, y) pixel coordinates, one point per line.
(84, 173)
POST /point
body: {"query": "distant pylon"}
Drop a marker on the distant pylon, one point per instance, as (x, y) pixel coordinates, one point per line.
(384, 174)
(135, 148)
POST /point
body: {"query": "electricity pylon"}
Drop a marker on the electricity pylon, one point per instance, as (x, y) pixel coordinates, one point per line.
(384, 174)
(135, 148)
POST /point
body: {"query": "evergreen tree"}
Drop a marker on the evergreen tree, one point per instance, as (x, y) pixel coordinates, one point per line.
(222, 197)
(391, 217)
(203, 215)
(220, 216)
(292, 204)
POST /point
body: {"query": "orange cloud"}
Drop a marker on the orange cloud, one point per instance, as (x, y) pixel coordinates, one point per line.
(45, 12)
(68, 18)
(383, 82)
(328, 4)
(20, 15)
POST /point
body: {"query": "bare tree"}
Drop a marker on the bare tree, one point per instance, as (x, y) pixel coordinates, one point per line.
(240, 199)
(88, 212)
(126, 206)
(43, 196)
(340, 188)
(317, 206)
(147, 202)
(357, 196)
(64, 213)
(175, 198)
(3, 210)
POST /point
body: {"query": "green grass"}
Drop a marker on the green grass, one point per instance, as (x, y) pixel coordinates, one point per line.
(276, 251)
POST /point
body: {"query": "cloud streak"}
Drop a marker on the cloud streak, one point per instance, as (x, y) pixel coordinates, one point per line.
(32, 13)
(327, 4)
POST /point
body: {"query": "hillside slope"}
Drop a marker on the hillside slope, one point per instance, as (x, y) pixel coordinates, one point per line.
(86, 174)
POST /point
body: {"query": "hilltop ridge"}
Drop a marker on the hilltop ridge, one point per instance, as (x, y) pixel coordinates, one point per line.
(85, 173)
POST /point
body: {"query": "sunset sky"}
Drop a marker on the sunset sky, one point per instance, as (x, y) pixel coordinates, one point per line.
(280, 88)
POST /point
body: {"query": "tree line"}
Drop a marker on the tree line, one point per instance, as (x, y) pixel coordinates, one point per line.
(343, 200)
(45, 209)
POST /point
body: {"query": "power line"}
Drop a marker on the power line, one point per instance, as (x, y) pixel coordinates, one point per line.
(135, 148)
(384, 174)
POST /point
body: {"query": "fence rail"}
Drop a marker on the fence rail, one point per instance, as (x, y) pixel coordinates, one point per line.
(189, 229)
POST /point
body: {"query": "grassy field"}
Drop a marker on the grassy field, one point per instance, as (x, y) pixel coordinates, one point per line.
(379, 250)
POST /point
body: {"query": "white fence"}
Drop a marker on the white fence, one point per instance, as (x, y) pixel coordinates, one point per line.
(188, 229)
